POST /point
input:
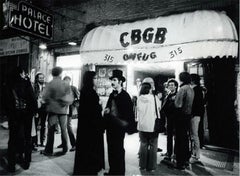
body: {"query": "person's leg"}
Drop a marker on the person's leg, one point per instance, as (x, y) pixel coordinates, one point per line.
(180, 139)
(70, 132)
(12, 143)
(52, 120)
(169, 138)
(63, 125)
(194, 137)
(152, 152)
(143, 151)
(28, 141)
(43, 119)
(116, 152)
(201, 132)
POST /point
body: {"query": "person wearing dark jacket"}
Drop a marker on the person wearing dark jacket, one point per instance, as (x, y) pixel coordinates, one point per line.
(120, 119)
(89, 157)
(197, 115)
(169, 109)
(21, 106)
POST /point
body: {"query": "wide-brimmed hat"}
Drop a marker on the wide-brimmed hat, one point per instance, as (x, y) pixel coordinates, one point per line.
(118, 74)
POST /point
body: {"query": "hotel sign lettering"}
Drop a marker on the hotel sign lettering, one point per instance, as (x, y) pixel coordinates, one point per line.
(33, 20)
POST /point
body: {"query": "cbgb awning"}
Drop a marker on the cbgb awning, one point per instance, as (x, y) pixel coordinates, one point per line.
(199, 34)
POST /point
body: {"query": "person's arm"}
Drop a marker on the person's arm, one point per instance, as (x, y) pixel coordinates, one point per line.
(179, 99)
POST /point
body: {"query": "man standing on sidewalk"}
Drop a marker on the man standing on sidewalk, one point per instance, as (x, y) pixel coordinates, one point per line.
(58, 97)
(183, 103)
(120, 119)
(41, 113)
(169, 110)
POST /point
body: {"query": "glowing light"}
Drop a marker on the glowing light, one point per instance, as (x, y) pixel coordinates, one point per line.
(43, 46)
(72, 43)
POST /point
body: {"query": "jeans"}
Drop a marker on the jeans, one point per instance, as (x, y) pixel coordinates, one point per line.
(170, 135)
(182, 139)
(148, 150)
(52, 121)
(70, 131)
(42, 118)
(194, 136)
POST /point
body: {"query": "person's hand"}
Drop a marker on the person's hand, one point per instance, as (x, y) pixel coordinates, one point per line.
(106, 111)
(36, 115)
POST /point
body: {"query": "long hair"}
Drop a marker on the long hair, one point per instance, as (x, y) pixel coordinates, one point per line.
(14, 76)
(36, 77)
(185, 77)
(88, 79)
(145, 88)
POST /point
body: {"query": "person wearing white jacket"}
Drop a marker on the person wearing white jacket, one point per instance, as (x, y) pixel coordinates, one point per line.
(146, 113)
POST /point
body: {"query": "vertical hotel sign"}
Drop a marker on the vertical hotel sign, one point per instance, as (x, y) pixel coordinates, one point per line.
(32, 20)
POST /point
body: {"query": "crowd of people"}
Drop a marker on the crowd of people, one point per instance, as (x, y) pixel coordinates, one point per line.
(180, 105)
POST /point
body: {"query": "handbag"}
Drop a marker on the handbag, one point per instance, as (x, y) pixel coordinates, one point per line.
(159, 125)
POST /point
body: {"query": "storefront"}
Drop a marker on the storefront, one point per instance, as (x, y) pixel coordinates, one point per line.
(165, 46)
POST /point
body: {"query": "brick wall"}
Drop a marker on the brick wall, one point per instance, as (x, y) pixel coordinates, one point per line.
(73, 21)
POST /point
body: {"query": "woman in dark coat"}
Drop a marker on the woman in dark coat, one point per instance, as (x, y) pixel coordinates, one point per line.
(89, 158)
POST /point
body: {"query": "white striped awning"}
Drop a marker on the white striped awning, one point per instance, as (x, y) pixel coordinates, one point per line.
(192, 35)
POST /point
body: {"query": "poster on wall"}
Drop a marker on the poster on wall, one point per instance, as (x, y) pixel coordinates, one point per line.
(104, 72)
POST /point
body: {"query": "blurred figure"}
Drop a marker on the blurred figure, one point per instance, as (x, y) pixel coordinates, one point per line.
(197, 115)
(183, 103)
(41, 116)
(169, 110)
(120, 119)
(21, 105)
(89, 157)
(72, 108)
(148, 105)
(58, 97)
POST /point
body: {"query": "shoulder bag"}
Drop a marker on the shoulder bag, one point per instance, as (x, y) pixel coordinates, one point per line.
(159, 125)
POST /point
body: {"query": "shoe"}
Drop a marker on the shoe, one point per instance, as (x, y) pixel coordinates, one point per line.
(19, 158)
(34, 149)
(26, 165)
(193, 160)
(72, 149)
(46, 153)
(167, 158)
(179, 167)
(159, 150)
(151, 170)
(60, 146)
(41, 145)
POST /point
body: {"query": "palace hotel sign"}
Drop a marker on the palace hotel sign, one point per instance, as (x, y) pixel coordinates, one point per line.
(32, 20)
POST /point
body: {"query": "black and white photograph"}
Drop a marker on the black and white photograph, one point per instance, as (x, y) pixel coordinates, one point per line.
(119, 87)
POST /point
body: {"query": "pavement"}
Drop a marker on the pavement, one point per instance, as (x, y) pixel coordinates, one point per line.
(213, 160)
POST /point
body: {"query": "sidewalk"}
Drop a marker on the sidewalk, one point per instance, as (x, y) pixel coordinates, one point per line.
(213, 162)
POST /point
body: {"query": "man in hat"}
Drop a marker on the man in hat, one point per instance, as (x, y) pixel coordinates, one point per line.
(120, 119)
